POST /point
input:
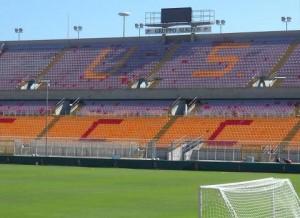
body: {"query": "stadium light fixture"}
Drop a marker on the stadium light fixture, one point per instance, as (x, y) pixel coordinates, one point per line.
(19, 31)
(47, 82)
(124, 15)
(78, 29)
(139, 26)
(286, 20)
(220, 23)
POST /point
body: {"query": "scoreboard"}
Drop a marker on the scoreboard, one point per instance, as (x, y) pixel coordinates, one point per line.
(176, 15)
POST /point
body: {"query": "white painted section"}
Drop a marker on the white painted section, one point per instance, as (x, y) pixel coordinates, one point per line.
(58, 109)
(35, 86)
(269, 83)
(175, 154)
(174, 109)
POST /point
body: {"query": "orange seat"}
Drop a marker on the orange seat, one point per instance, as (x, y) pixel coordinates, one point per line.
(144, 129)
(140, 128)
(22, 126)
(295, 142)
(258, 129)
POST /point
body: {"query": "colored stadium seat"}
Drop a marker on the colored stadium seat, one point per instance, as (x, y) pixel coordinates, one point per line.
(125, 108)
(203, 64)
(248, 108)
(258, 129)
(22, 127)
(131, 128)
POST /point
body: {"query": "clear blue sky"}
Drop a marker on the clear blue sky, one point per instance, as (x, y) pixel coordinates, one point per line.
(47, 19)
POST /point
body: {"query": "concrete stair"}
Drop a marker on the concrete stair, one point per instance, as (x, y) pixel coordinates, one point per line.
(151, 146)
(284, 58)
(123, 60)
(54, 61)
(165, 128)
(49, 126)
(297, 110)
(289, 137)
(280, 63)
(168, 55)
(57, 57)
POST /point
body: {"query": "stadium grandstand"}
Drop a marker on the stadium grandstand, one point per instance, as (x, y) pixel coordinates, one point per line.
(138, 97)
(177, 96)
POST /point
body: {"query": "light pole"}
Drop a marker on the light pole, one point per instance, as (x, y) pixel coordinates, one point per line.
(19, 31)
(139, 26)
(78, 29)
(286, 20)
(124, 15)
(47, 82)
(220, 23)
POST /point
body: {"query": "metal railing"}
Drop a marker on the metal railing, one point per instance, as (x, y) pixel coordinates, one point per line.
(79, 148)
(70, 147)
(181, 149)
(249, 151)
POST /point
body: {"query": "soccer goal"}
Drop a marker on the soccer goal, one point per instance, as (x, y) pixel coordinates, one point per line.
(264, 198)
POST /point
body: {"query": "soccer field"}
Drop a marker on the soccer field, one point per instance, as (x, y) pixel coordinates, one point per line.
(72, 192)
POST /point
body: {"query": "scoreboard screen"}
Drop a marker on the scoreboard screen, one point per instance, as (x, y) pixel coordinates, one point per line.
(173, 15)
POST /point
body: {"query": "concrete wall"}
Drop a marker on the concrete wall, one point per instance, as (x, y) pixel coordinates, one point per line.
(144, 94)
(154, 164)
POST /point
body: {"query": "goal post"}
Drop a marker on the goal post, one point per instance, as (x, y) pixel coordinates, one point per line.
(264, 198)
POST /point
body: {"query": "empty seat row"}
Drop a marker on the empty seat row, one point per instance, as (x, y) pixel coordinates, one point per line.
(186, 65)
(145, 129)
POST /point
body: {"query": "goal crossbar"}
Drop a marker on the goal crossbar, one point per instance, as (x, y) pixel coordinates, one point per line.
(245, 184)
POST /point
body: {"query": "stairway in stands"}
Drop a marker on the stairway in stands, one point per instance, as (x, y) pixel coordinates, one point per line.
(167, 57)
(164, 129)
(123, 60)
(297, 110)
(289, 137)
(283, 58)
(280, 63)
(57, 57)
(49, 126)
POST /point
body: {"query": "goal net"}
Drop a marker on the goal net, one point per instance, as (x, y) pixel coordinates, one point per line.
(265, 198)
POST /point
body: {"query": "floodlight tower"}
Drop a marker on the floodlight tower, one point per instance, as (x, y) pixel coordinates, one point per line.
(19, 31)
(286, 20)
(124, 15)
(47, 82)
(220, 23)
(78, 29)
(139, 26)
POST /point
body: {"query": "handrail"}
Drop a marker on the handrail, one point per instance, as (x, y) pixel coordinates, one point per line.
(76, 101)
(193, 101)
(60, 102)
(175, 102)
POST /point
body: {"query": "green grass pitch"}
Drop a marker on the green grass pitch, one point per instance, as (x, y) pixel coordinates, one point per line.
(73, 192)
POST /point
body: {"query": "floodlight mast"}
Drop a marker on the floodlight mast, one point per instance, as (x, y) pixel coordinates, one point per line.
(286, 20)
(124, 15)
(47, 82)
(139, 26)
(220, 23)
(78, 29)
(19, 31)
